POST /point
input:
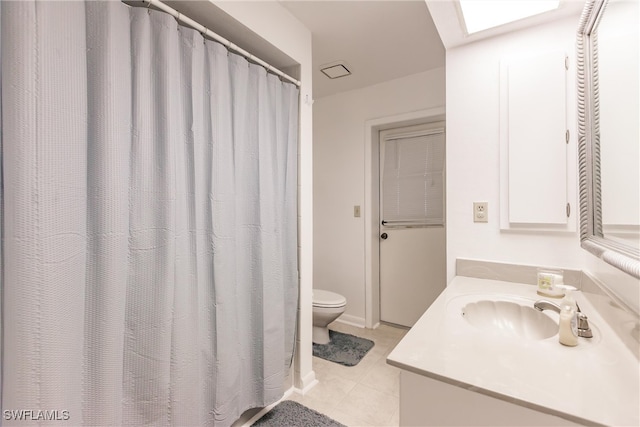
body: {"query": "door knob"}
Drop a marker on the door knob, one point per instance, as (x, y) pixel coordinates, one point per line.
(384, 236)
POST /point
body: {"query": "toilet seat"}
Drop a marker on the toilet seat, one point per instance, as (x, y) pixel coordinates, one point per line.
(322, 298)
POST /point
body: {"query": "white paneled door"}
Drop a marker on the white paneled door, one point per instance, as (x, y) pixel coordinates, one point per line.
(412, 231)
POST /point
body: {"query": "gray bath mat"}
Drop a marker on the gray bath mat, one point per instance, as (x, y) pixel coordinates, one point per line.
(293, 414)
(344, 349)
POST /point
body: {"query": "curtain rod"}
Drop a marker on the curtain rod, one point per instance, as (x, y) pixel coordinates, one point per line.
(208, 33)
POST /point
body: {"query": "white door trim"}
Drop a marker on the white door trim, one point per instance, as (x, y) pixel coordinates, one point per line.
(371, 205)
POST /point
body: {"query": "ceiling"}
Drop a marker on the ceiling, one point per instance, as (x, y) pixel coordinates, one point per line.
(377, 40)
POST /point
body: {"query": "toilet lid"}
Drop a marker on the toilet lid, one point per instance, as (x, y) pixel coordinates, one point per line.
(322, 298)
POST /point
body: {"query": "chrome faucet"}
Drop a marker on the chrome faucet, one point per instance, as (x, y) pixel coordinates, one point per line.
(584, 330)
(543, 304)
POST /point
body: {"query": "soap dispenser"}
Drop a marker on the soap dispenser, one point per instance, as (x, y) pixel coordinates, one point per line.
(568, 332)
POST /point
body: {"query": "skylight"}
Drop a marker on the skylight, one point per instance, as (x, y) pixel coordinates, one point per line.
(483, 14)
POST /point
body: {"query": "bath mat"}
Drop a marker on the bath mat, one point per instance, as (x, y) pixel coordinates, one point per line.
(344, 349)
(292, 414)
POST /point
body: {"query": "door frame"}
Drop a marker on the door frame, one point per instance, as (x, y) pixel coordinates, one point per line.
(371, 200)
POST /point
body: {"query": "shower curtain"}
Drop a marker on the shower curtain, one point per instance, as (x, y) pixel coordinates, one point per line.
(149, 220)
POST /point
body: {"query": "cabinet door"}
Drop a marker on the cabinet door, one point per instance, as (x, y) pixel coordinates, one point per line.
(535, 117)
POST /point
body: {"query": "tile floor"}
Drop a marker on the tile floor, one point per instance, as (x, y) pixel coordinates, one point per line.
(361, 395)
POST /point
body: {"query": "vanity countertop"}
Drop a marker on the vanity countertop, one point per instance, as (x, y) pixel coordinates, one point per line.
(596, 382)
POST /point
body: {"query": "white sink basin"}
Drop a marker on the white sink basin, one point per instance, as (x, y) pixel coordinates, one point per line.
(510, 319)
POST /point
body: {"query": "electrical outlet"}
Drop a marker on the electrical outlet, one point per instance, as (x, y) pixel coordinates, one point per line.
(356, 211)
(480, 211)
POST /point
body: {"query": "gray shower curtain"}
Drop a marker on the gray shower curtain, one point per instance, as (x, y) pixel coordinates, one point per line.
(149, 253)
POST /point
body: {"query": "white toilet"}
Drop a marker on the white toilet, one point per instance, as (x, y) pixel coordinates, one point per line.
(327, 307)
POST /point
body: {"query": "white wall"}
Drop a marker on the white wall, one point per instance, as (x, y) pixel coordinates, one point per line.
(472, 109)
(339, 176)
(277, 26)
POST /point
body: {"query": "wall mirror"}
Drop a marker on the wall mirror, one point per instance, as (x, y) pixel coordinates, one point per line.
(608, 132)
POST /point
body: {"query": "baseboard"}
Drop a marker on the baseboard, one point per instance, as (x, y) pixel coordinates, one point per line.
(348, 319)
(307, 383)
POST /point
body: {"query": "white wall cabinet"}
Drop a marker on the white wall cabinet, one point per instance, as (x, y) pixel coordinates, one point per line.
(535, 137)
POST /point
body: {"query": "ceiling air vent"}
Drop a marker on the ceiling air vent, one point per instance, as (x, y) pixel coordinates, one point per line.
(335, 70)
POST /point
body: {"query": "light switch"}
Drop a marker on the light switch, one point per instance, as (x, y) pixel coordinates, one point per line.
(356, 211)
(480, 212)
